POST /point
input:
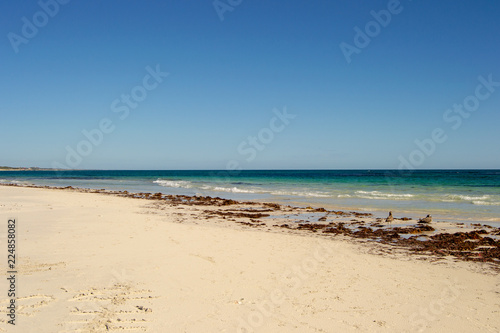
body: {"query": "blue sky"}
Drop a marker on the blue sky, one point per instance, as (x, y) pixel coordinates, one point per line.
(225, 78)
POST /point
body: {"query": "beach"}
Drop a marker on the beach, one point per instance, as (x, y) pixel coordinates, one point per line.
(250, 166)
(466, 196)
(97, 262)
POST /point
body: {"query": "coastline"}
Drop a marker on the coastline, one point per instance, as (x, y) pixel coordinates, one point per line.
(468, 196)
(110, 261)
(30, 169)
(404, 232)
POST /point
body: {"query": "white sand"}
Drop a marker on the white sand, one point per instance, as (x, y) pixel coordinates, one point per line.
(99, 263)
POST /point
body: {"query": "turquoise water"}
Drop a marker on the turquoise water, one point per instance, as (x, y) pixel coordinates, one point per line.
(472, 195)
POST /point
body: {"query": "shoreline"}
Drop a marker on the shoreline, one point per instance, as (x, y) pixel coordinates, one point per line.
(476, 201)
(444, 214)
(438, 240)
(95, 261)
(441, 214)
(447, 215)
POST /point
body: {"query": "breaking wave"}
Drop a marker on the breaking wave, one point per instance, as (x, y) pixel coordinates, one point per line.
(458, 197)
(174, 183)
(377, 195)
(309, 192)
(11, 181)
(479, 200)
(486, 203)
(246, 188)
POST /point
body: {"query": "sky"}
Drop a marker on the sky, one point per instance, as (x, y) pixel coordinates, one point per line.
(239, 84)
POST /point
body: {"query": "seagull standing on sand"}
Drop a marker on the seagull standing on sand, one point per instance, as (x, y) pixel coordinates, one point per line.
(426, 219)
(389, 218)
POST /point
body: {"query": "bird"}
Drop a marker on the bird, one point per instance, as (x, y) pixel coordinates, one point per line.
(389, 218)
(426, 219)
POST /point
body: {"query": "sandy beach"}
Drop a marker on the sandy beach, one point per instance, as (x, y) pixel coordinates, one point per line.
(94, 262)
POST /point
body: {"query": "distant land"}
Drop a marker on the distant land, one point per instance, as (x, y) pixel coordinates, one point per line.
(6, 168)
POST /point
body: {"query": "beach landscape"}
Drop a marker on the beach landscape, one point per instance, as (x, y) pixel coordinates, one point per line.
(249, 166)
(97, 260)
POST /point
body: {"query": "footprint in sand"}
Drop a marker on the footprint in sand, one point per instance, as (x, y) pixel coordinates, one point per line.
(117, 308)
(28, 267)
(26, 307)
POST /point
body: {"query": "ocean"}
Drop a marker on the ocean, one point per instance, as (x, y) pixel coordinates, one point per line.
(457, 195)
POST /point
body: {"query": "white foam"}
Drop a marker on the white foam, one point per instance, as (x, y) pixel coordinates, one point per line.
(174, 183)
(458, 197)
(317, 195)
(228, 189)
(7, 181)
(485, 203)
(266, 191)
(377, 195)
(302, 194)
